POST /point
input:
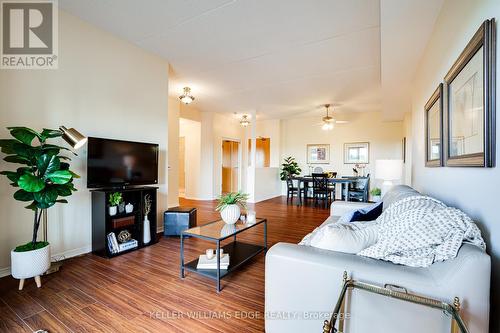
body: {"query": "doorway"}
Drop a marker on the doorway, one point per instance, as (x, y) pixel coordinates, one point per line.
(230, 166)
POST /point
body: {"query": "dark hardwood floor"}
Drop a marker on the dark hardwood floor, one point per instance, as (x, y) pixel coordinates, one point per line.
(142, 291)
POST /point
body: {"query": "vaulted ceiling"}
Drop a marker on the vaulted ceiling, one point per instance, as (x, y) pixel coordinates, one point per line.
(282, 58)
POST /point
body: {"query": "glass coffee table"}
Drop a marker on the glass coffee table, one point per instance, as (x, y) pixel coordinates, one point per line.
(218, 231)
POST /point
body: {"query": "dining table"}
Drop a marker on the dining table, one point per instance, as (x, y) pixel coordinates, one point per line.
(306, 179)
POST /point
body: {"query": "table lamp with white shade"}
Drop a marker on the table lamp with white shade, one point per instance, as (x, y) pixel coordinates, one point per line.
(388, 171)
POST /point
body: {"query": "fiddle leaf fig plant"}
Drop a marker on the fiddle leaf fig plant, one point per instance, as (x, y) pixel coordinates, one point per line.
(289, 168)
(43, 177)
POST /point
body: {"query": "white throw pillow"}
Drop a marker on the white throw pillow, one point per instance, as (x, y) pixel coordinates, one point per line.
(346, 237)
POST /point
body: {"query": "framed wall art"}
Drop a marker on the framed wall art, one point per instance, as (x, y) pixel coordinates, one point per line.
(357, 153)
(434, 129)
(470, 102)
(318, 154)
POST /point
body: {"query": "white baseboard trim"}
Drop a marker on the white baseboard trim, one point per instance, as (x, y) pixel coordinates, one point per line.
(57, 256)
(200, 199)
(4, 271)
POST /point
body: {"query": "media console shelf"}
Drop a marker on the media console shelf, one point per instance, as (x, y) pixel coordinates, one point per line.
(103, 223)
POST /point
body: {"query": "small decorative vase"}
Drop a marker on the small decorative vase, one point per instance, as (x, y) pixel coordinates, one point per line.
(121, 207)
(28, 264)
(112, 210)
(251, 217)
(146, 237)
(376, 198)
(129, 208)
(230, 214)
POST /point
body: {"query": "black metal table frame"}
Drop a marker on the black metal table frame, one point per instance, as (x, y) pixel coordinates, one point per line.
(218, 241)
(342, 181)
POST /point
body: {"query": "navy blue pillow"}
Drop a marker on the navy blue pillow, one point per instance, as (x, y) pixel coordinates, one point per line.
(367, 214)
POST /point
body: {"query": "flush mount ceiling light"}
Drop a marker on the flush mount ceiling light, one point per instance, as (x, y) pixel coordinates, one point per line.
(328, 122)
(186, 97)
(244, 121)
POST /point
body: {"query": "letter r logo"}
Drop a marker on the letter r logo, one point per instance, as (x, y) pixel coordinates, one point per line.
(27, 27)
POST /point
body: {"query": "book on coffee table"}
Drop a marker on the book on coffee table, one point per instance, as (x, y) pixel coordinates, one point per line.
(205, 263)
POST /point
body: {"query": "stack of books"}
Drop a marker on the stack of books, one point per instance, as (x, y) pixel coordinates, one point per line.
(115, 247)
(205, 263)
(130, 244)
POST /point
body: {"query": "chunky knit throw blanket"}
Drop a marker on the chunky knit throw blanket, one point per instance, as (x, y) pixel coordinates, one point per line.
(418, 231)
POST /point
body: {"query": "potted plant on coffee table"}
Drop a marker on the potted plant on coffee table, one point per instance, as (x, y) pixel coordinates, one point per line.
(42, 178)
(230, 205)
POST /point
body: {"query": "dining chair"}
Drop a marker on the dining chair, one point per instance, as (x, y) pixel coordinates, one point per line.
(321, 189)
(318, 170)
(293, 190)
(359, 189)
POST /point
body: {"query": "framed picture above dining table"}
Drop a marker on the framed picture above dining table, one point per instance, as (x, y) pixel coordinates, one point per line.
(357, 153)
(318, 154)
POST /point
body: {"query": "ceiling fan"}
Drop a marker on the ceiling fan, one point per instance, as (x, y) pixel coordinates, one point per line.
(328, 121)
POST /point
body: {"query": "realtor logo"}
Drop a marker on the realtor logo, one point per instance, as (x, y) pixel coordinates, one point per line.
(29, 34)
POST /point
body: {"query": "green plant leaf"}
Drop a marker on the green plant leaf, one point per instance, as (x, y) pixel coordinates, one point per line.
(17, 159)
(13, 176)
(64, 190)
(74, 174)
(31, 183)
(6, 146)
(59, 177)
(44, 205)
(47, 195)
(48, 164)
(50, 133)
(31, 206)
(64, 166)
(22, 195)
(23, 134)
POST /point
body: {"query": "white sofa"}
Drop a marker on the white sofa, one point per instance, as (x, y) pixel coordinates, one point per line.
(303, 284)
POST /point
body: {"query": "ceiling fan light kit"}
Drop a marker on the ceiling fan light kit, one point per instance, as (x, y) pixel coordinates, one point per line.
(328, 122)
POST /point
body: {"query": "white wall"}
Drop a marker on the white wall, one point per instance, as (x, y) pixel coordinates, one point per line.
(384, 137)
(267, 184)
(173, 151)
(191, 131)
(475, 190)
(104, 87)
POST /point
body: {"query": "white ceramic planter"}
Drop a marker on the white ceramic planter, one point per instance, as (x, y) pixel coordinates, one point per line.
(113, 210)
(29, 264)
(230, 214)
(376, 198)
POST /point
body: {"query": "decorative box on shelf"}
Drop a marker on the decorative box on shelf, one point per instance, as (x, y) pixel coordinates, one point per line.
(123, 221)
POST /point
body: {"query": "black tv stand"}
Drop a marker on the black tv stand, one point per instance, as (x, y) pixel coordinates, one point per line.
(103, 223)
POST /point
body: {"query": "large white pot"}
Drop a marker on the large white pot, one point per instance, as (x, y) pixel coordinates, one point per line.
(29, 264)
(230, 214)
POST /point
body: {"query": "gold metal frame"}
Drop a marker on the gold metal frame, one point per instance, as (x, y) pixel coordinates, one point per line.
(453, 310)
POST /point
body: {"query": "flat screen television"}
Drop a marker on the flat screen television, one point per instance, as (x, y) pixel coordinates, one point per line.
(116, 163)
